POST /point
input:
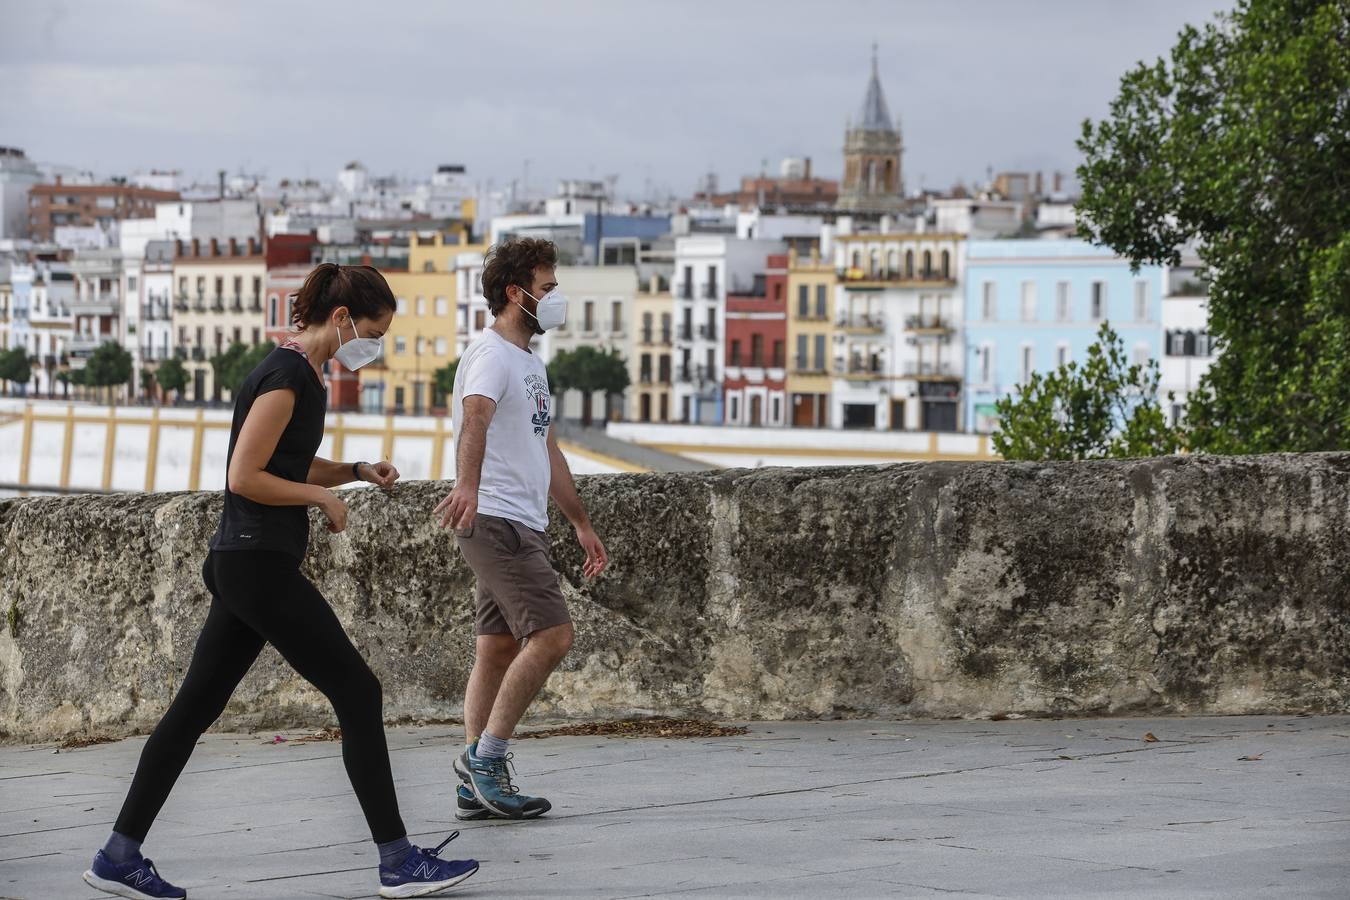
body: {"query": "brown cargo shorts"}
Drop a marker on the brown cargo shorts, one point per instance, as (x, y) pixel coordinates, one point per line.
(517, 590)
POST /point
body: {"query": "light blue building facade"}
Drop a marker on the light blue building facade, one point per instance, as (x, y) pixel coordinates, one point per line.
(1033, 305)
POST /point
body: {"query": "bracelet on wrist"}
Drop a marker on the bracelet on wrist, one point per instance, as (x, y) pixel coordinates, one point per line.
(356, 470)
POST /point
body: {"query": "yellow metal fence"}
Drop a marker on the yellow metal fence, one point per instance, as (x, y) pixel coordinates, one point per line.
(337, 428)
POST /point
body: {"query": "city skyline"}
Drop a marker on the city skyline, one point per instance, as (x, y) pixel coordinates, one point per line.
(708, 89)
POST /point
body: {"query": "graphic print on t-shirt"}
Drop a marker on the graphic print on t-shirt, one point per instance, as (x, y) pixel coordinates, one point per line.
(536, 389)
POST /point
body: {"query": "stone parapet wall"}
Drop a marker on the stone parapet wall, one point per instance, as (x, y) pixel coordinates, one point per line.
(1175, 585)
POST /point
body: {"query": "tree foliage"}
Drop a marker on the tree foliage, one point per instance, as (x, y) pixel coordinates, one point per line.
(15, 367)
(172, 376)
(110, 365)
(1240, 143)
(1107, 408)
(445, 377)
(235, 364)
(587, 369)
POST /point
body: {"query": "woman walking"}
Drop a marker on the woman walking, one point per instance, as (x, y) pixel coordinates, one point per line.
(259, 596)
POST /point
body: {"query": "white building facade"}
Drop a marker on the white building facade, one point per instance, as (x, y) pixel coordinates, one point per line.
(706, 267)
(1187, 347)
(898, 352)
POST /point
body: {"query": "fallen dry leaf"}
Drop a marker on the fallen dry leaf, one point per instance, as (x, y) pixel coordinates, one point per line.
(1149, 738)
(331, 733)
(655, 727)
(87, 740)
(1256, 758)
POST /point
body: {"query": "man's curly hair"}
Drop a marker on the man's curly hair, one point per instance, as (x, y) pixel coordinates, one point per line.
(513, 262)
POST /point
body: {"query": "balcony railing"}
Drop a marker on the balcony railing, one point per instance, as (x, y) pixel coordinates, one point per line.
(199, 303)
(859, 368)
(236, 304)
(686, 291)
(938, 371)
(803, 366)
(645, 377)
(709, 290)
(665, 337)
(707, 332)
(928, 323)
(198, 354)
(217, 303)
(646, 335)
(870, 322)
(255, 304)
(853, 276)
(686, 332)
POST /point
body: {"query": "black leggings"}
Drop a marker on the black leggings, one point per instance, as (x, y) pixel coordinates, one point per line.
(260, 597)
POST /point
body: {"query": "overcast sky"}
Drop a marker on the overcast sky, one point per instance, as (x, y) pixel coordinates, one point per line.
(655, 91)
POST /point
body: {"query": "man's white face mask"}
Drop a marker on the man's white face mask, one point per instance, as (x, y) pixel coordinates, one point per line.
(552, 310)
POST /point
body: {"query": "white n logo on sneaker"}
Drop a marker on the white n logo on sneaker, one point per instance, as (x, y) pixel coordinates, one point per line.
(139, 878)
(425, 870)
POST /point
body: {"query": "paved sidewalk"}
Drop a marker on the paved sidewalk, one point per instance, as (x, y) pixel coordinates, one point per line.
(1028, 808)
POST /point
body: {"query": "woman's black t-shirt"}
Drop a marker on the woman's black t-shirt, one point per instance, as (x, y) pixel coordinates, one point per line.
(244, 524)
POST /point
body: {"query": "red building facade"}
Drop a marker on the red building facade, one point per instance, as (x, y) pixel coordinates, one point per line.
(755, 384)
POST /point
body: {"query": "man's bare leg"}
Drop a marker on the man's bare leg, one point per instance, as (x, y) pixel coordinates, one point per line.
(526, 674)
(493, 655)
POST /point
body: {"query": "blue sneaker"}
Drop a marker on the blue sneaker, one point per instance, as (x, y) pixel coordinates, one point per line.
(424, 872)
(490, 781)
(467, 807)
(136, 879)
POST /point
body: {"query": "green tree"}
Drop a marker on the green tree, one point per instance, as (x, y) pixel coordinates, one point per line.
(235, 364)
(108, 366)
(148, 383)
(444, 377)
(1107, 408)
(562, 377)
(172, 376)
(1241, 144)
(15, 368)
(587, 369)
(602, 371)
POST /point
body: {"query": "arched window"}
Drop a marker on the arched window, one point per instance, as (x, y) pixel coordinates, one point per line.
(889, 181)
(892, 263)
(909, 263)
(927, 263)
(946, 264)
(868, 174)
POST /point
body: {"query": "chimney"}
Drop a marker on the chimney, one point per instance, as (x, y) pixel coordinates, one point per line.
(234, 247)
(196, 247)
(252, 247)
(178, 247)
(221, 176)
(1058, 182)
(1040, 184)
(215, 247)
(806, 172)
(58, 180)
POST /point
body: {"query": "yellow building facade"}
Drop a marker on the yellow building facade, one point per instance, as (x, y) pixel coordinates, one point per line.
(810, 327)
(421, 338)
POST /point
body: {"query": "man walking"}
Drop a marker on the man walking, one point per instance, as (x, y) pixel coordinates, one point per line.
(507, 466)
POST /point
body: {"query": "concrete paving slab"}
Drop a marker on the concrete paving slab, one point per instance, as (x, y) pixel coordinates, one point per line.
(1025, 808)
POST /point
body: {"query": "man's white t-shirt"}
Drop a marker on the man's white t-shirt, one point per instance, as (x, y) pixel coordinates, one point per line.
(516, 471)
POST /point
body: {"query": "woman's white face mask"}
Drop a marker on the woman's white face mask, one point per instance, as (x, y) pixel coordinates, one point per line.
(358, 351)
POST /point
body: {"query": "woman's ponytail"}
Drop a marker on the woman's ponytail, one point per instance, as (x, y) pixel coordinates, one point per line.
(362, 289)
